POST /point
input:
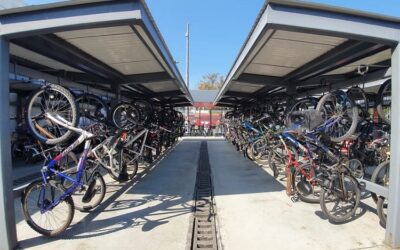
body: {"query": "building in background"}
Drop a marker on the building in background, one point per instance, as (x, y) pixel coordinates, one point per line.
(8, 4)
(204, 117)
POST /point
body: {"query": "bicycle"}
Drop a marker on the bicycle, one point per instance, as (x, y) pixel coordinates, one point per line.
(56, 187)
(51, 197)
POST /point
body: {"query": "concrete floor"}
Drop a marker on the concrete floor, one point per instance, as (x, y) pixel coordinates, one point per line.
(150, 213)
(253, 211)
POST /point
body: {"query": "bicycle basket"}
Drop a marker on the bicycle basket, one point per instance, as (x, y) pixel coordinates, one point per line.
(306, 119)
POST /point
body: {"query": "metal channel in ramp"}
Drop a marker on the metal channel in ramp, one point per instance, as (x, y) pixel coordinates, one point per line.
(204, 234)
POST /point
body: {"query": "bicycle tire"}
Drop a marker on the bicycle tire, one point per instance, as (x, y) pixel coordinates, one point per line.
(301, 105)
(72, 112)
(306, 198)
(132, 165)
(272, 155)
(354, 116)
(120, 158)
(85, 103)
(348, 215)
(94, 202)
(260, 156)
(357, 95)
(379, 100)
(28, 217)
(381, 206)
(374, 177)
(125, 116)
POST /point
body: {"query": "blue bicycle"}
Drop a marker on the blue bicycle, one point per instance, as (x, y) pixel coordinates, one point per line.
(48, 204)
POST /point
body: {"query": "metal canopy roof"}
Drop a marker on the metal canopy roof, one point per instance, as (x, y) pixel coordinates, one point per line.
(96, 43)
(305, 49)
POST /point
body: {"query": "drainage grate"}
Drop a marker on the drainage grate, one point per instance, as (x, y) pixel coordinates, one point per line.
(204, 235)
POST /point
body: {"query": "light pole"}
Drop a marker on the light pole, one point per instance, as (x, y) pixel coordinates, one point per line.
(187, 35)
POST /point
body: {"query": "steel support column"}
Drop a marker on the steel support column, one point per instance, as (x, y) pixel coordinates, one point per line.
(392, 237)
(116, 89)
(8, 233)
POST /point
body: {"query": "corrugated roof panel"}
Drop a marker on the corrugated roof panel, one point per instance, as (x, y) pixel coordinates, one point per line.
(244, 87)
(160, 86)
(265, 69)
(290, 53)
(378, 57)
(120, 48)
(140, 67)
(38, 58)
(114, 48)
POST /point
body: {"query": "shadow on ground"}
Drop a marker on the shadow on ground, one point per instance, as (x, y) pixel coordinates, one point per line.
(155, 207)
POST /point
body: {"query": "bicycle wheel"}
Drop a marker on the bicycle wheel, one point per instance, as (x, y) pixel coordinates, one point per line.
(301, 105)
(91, 109)
(380, 176)
(92, 193)
(340, 114)
(49, 222)
(381, 207)
(123, 159)
(383, 101)
(278, 157)
(359, 98)
(145, 110)
(260, 151)
(57, 101)
(340, 200)
(131, 164)
(357, 168)
(307, 191)
(125, 115)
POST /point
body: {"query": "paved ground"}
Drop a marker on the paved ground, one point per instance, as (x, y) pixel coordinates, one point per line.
(151, 213)
(253, 211)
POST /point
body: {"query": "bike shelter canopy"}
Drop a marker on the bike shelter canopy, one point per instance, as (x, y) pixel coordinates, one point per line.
(103, 45)
(306, 49)
(110, 47)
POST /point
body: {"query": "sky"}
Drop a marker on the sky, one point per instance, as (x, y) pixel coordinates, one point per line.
(218, 28)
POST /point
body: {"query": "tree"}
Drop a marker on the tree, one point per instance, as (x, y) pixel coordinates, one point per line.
(211, 81)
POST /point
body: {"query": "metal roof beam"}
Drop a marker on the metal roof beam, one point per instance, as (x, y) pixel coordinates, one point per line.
(303, 19)
(67, 16)
(184, 104)
(167, 94)
(130, 94)
(260, 79)
(373, 76)
(343, 54)
(237, 94)
(228, 100)
(221, 104)
(178, 100)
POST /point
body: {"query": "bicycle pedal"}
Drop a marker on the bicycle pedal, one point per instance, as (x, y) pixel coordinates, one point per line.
(295, 198)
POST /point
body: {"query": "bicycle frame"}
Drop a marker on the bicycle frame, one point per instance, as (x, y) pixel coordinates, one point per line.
(50, 168)
(143, 133)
